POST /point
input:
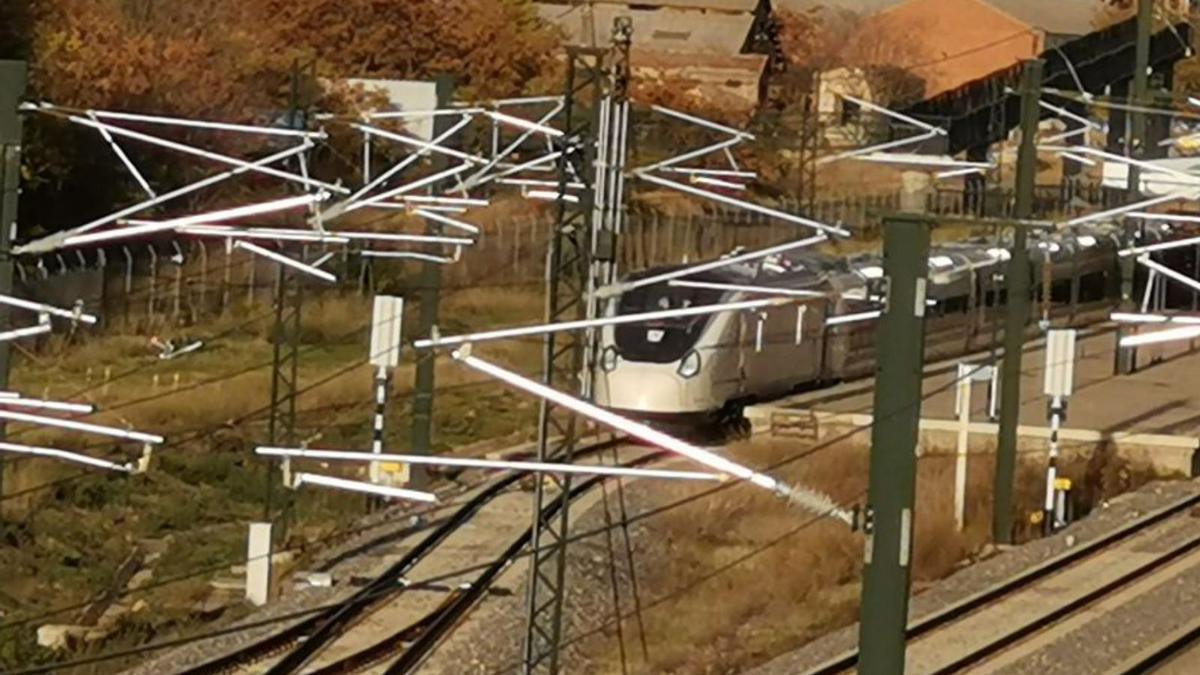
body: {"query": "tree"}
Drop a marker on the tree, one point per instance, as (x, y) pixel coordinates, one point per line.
(14, 29)
(495, 47)
(821, 40)
(231, 60)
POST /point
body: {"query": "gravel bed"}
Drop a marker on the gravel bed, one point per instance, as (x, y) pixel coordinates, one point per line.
(377, 534)
(490, 641)
(993, 570)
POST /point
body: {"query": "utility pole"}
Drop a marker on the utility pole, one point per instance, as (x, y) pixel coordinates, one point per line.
(1135, 144)
(581, 259)
(13, 75)
(900, 350)
(1017, 283)
(285, 350)
(430, 294)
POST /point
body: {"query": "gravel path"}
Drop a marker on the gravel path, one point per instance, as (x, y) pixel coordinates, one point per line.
(490, 641)
(995, 569)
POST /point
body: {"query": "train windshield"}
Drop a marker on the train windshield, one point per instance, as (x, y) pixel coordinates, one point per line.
(662, 340)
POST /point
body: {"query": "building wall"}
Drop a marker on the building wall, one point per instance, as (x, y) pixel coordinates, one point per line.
(949, 42)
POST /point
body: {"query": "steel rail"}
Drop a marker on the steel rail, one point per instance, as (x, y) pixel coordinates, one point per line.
(314, 633)
(1161, 652)
(998, 645)
(449, 615)
(1031, 576)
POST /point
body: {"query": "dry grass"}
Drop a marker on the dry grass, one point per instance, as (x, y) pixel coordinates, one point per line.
(735, 579)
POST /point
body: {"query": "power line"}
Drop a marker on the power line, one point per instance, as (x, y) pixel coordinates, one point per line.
(809, 452)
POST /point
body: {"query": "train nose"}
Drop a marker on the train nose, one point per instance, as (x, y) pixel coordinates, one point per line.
(641, 389)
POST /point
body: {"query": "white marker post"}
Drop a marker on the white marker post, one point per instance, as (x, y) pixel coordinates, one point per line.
(1060, 374)
(968, 373)
(386, 324)
(258, 564)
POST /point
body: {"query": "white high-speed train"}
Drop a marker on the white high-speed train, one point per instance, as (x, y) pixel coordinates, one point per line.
(708, 367)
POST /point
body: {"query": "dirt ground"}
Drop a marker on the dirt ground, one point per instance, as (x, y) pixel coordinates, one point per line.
(729, 580)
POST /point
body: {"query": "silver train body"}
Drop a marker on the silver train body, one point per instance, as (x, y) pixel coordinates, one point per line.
(710, 366)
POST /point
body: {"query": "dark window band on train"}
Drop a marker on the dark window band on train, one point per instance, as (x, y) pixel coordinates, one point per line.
(663, 340)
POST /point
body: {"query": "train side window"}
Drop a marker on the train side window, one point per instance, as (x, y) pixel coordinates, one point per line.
(954, 305)
(1060, 292)
(1093, 287)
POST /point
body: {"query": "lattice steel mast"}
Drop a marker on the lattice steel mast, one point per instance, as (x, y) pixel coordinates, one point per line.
(581, 259)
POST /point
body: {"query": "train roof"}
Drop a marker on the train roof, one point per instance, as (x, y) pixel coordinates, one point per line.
(950, 263)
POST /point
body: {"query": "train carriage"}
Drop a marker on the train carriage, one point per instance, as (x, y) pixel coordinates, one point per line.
(708, 367)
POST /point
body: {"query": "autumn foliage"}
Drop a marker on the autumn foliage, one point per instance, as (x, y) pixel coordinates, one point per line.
(233, 60)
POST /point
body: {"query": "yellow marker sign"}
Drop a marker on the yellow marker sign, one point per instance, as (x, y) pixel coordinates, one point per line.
(1063, 484)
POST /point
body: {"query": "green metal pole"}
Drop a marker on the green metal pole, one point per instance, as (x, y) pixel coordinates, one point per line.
(900, 347)
(1126, 359)
(1017, 281)
(13, 76)
(430, 294)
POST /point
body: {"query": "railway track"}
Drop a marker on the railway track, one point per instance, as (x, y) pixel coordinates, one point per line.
(317, 644)
(995, 627)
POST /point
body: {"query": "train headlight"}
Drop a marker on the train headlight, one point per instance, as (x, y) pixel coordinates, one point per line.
(690, 365)
(608, 359)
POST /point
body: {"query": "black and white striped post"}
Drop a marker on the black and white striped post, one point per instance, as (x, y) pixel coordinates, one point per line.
(383, 377)
(1060, 374)
(386, 329)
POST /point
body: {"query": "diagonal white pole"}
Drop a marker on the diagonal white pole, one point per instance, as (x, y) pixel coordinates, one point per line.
(50, 242)
(542, 329)
(207, 154)
(129, 165)
(409, 187)
(1169, 273)
(522, 123)
(1063, 112)
(203, 124)
(230, 232)
(617, 289)
(358, 486)
(500, 465)
(446, 220)
(422, 146)
(889, 145)
(1183, 333)
(47, 309)
(475, 178)
(894, 115)
(407, 161)
(196, 219)
(749, 206)
(1137, 206)
(408, 255)
(702, 122)
(81, 426)
(744, 288)
(29, 331)
(699, 152)
(55, 453)
(1178, 243)
(816, 502)
(284, 260)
